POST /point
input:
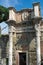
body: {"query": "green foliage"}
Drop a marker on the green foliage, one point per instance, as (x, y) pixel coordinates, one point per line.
(4, 13)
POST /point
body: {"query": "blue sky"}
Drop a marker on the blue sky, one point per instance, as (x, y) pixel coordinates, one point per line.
(18, 4)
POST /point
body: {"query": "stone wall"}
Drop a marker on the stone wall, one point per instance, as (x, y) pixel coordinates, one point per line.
(3, 49)
(41, 47)
(25, 42)
(21, 42)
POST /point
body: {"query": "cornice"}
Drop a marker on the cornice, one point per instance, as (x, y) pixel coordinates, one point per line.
(22, 10)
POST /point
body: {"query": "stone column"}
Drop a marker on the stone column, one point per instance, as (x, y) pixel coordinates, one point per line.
(10, 45)
(14, 48)
(37, 28)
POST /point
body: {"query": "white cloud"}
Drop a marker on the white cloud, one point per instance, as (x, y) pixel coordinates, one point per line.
(15, 2)
(5, 3)
(8, 3)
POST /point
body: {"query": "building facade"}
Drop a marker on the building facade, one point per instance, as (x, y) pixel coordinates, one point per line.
(25, 38)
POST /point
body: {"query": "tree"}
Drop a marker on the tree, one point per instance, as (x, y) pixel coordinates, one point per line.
(4, 13)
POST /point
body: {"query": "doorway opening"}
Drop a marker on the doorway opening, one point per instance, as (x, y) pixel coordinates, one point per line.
(22, 58)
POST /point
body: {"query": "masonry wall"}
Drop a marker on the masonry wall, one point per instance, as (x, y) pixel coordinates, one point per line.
(3, 49)
(41, 46)
(25, 42)
(22, 42)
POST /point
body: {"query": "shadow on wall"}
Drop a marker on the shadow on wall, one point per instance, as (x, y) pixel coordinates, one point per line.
(25, 40)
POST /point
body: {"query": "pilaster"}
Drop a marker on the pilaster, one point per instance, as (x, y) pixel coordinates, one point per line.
(37, 28)
(10, 45)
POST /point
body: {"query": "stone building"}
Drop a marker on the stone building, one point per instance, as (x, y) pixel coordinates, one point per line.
(24, 43)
